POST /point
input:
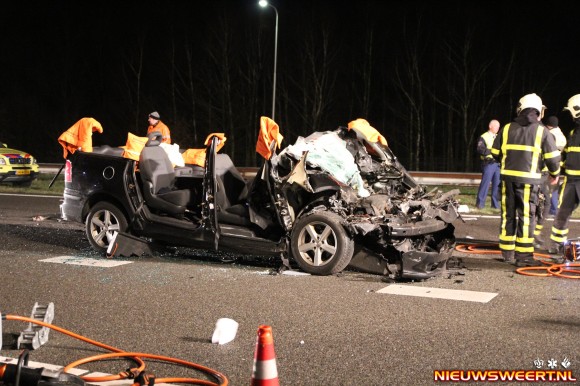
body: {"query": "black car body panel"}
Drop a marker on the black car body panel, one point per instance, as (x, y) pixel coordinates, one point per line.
(322, 213)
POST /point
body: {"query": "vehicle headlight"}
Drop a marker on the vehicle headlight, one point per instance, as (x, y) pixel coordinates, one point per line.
(2, 161)
(33, 161)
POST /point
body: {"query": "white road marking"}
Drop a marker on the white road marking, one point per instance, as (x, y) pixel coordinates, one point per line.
(87, 261)
(439, 293)
(295, 273)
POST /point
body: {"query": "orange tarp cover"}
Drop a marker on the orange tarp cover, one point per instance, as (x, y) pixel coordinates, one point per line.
(370, 133)
(79, 136)
(269, 131)
(197, 156)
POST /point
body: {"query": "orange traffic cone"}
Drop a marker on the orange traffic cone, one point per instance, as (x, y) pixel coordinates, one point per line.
(265, 372)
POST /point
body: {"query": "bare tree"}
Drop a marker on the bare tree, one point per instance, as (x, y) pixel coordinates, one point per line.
(407, 78)
(316, 81)
(189, 81)
(363, 67)
(132, 76)
(250, 73)
(476, 88)
(219, 51)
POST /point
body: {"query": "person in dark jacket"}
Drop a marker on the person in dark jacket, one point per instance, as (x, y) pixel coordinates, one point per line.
(548, 193)
(489, 167)
(570, 190)
(520, 147)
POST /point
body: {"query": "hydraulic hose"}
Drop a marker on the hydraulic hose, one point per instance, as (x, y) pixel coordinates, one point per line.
(137, 373)
(568, 270)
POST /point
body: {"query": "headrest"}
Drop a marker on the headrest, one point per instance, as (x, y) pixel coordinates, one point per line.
(154, 138)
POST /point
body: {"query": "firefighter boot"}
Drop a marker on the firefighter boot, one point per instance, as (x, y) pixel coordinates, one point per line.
(538, 241)
(508, 256)
(555, 248)
(527, 260)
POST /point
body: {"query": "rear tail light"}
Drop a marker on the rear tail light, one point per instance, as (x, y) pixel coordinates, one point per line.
(68, 171)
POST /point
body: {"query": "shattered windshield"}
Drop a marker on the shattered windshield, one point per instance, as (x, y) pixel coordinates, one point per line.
(328, 152)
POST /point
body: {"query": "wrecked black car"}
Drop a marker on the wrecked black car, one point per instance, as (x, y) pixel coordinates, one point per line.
(332, 200)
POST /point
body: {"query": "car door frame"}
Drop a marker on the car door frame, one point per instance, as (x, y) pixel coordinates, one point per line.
(209, 206)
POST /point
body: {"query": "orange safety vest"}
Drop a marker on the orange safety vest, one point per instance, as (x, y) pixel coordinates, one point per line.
(161, 127)
(134, 146)
(269, 131)
(197, 156)
(370, 133)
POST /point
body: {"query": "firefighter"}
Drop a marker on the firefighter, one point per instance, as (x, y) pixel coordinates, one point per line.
(520, 147)
(155, 124)
(546, 190)
(569, 194)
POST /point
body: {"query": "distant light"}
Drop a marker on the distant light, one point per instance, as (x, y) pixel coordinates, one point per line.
(263, 3)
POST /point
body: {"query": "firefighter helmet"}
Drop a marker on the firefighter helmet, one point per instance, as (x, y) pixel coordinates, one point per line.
(531, 101)
(573, 106)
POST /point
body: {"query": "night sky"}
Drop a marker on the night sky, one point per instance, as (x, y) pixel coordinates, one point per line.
(207, 67)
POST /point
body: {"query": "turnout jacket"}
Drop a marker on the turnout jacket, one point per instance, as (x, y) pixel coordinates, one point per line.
(521, 146)
(571, 155)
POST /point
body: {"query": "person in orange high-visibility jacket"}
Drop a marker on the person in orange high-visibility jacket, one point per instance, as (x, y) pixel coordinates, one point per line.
(520, 147)
(155, 124)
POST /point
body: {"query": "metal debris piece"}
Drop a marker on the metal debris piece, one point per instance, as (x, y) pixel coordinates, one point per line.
(36, 335)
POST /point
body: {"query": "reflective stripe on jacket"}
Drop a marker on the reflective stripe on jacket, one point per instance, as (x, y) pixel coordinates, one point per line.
(571, 155)
(521, 149)
(488, 138)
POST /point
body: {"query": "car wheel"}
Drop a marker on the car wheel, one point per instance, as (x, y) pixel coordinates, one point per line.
(103, 221)
(320, 245)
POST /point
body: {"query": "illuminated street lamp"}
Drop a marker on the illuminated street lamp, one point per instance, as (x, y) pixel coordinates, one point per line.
(264, 4)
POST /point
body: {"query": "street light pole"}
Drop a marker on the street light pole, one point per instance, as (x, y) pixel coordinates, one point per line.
(263, 4)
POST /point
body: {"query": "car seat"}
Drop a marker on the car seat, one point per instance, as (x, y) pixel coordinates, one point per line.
(231, 192)
(158, 176)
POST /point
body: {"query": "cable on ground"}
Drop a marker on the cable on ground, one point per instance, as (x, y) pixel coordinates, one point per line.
(137, 373)
(567, 270)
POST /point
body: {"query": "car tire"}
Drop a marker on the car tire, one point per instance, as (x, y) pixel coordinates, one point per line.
(320, 245)
(103, 221)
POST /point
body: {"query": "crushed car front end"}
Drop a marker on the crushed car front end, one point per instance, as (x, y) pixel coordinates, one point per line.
(410, 239)
(399, 229)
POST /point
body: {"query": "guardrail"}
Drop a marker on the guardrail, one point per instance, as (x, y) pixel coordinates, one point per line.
(424, 178)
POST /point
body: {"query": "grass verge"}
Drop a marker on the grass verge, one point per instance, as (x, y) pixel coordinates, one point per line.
(39, 186)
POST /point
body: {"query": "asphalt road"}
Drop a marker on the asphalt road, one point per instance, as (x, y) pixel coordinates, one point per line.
(336, 330)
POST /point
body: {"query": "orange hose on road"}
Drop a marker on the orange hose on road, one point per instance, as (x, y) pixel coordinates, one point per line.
(151, 356)
(550, 269)
(221, 378)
